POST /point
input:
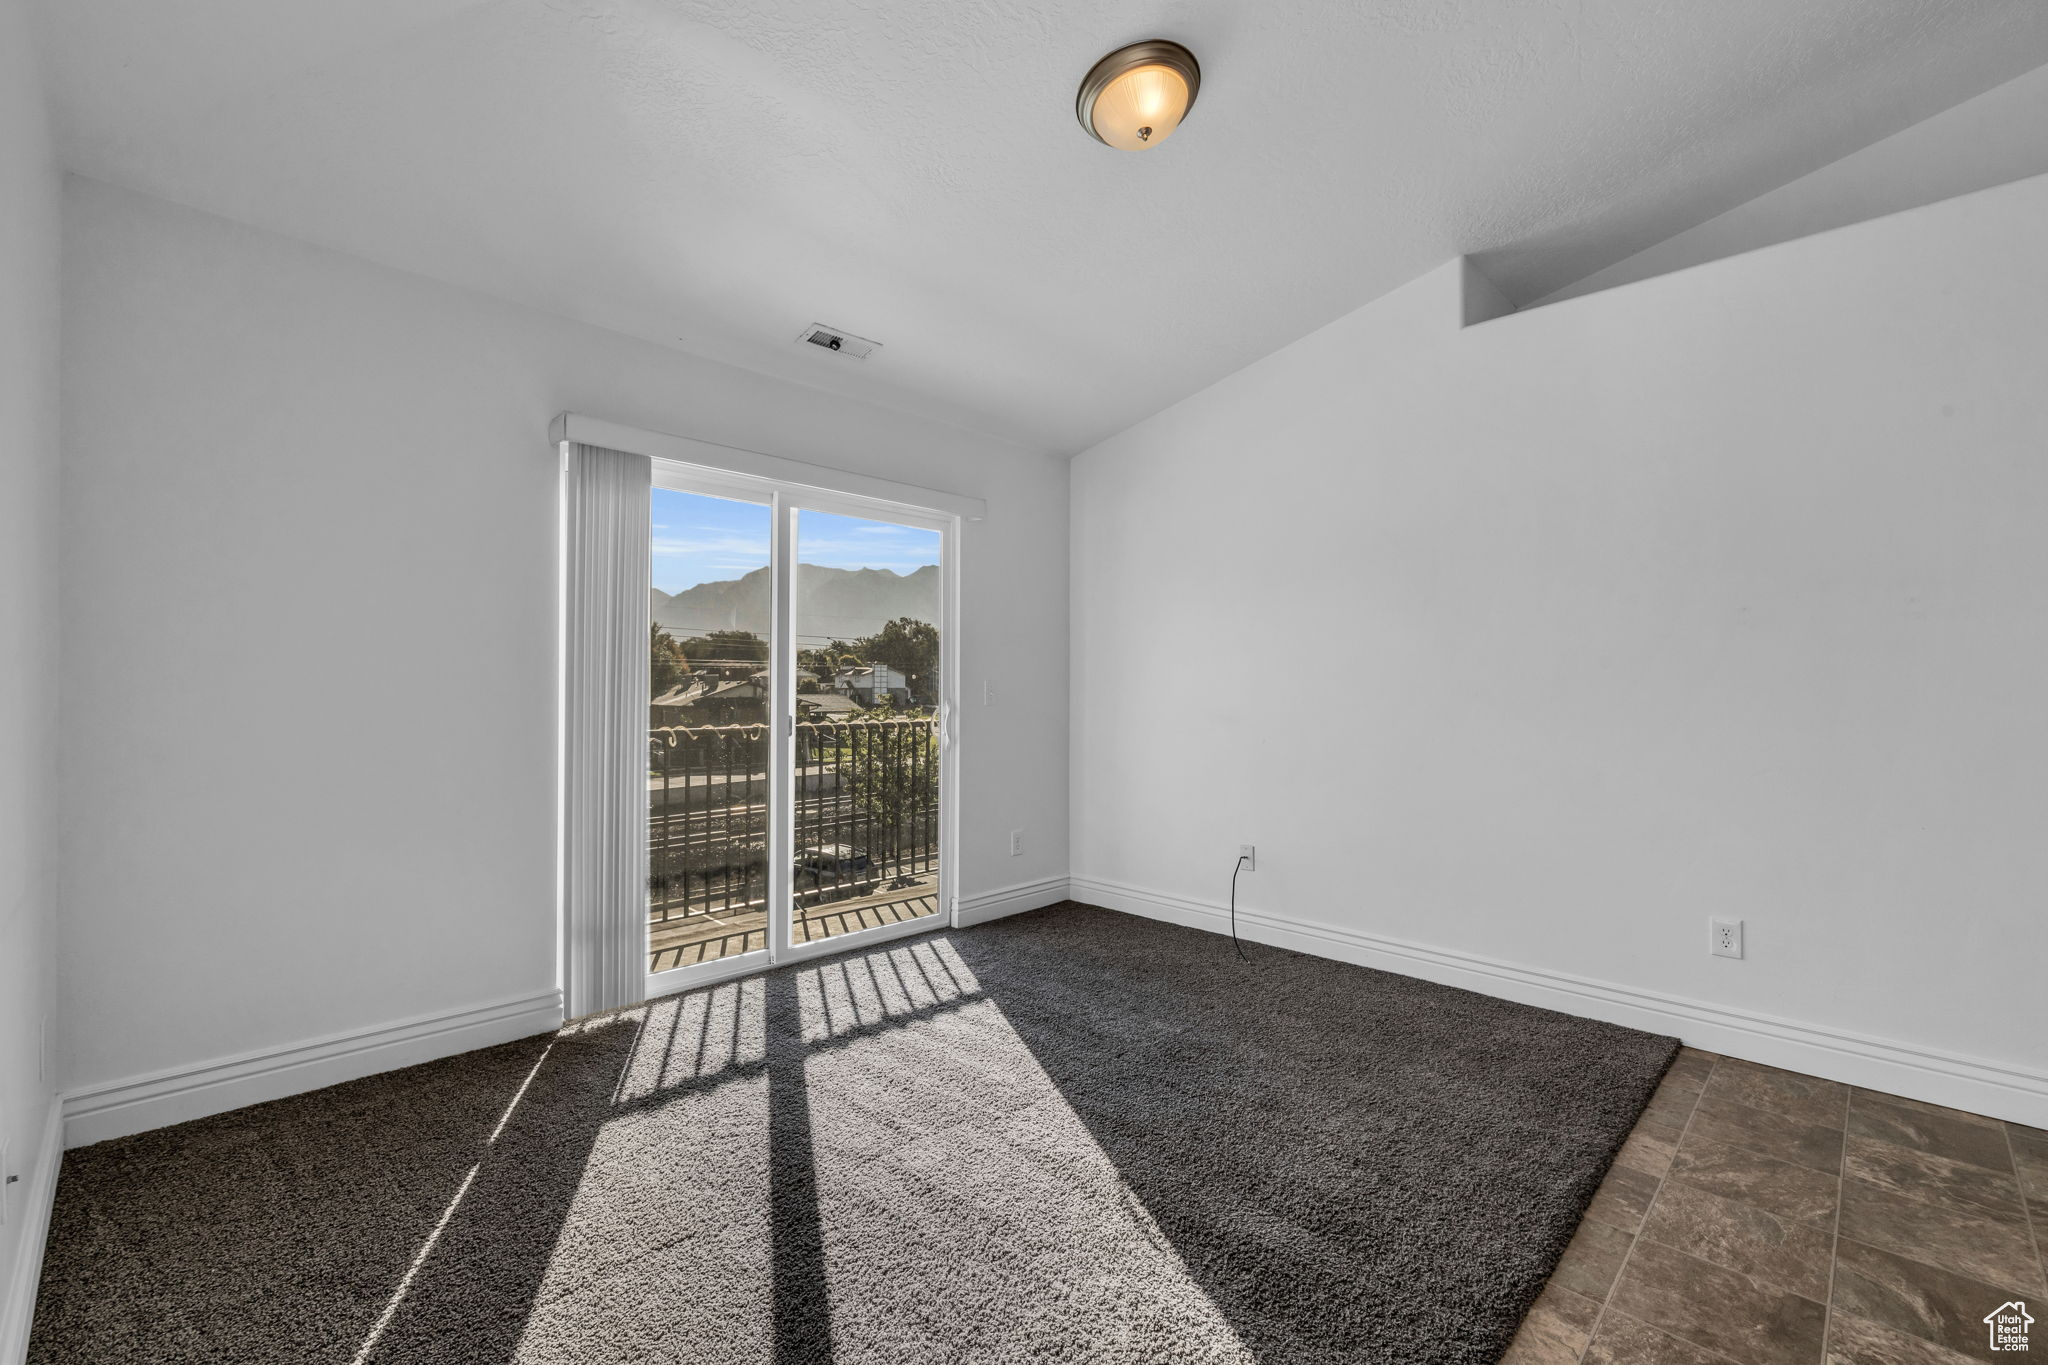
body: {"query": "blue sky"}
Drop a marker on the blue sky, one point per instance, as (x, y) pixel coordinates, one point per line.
(706, 540)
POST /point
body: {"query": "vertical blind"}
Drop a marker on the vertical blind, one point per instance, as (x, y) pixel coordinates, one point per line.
(604, 871)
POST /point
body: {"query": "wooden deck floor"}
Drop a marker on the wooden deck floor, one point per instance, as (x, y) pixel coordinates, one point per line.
(707, 938)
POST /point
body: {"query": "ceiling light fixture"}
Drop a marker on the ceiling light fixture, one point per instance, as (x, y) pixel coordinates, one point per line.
(1135, 97)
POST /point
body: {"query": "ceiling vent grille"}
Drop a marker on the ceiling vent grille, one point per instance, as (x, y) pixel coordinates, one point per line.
(837, 341)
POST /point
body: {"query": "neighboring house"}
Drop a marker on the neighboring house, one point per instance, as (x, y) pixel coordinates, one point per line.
(826, 706)
(733, 703)
(673, 706)
(710, 701)
(871, 684)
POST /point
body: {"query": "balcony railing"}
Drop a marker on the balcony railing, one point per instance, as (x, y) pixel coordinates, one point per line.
(867, 816)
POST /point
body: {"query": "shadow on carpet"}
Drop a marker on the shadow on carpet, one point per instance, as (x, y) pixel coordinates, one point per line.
(1070, 1135)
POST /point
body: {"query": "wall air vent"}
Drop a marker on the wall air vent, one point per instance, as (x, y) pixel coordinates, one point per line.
(839, 342)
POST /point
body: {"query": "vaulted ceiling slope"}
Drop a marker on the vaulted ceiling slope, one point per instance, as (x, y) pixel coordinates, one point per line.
(716, 175)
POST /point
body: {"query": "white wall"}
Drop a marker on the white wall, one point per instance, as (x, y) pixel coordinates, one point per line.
(28, 589)
(1720, 594)
(309, 616)
(1994, 139)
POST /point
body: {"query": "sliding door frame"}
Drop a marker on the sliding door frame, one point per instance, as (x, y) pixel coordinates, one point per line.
(717, 484)
(948, 528)
(785, 499)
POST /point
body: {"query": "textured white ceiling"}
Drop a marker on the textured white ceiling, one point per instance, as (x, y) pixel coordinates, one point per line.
(717, 175)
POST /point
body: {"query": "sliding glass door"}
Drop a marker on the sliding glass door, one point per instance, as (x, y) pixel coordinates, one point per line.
(708, 732)
(797, 788)
(865, 756)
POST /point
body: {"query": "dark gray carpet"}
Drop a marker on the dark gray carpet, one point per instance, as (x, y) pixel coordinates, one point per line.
(1067, 1136)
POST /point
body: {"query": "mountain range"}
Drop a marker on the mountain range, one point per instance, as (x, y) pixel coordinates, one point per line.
(842, 604)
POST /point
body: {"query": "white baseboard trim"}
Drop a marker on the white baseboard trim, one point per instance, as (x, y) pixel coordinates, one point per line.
(32, 1231)
(2000, 1089)
(97, 1112)
(1010, 900)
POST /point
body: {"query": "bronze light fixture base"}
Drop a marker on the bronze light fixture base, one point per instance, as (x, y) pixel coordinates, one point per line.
(1153, 53)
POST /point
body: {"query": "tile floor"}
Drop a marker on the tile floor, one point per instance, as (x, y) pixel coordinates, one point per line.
(1762, 1217)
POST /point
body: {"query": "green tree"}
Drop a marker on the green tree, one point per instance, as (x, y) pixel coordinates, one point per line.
(825, 660)
(893, 772)
(912, 649)
(668, 667)
(729, 646)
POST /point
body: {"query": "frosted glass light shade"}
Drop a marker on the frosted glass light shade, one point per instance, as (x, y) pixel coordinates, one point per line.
(1135, 97)
(1141, 108)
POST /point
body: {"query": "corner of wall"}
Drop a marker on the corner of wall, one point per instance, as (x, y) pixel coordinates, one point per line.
(1480, 299)
(30, 185)
(31, 1226)
(1989, 140)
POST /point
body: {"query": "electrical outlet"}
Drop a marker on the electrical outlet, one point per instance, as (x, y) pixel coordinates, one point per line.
(1250, 856)
(1016, 843)
(988, 693)
(1724, 937)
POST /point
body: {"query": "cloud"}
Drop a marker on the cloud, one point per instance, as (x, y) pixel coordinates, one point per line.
(814, 550)
(746, 547)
